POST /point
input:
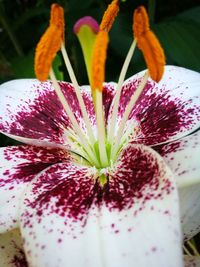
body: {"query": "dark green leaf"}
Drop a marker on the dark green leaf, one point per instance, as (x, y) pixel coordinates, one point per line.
(181, 42)
(192, 14)
(23, 66)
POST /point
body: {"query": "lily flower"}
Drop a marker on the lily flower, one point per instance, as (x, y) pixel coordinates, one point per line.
(104, 167)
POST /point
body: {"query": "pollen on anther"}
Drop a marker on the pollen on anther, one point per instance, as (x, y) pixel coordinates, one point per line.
(148, 43)
(141, 22)
(98, 60)
(57, 17)
(50, 43)
(109, 16)
(100, 47)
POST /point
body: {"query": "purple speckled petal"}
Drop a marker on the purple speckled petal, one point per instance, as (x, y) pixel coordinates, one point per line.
(11, 250)
(18, 166)
(31, 109)
(165, 111)
(31, 112)
(108, 94)
(183, 157)
(191, 261)
(66, 213)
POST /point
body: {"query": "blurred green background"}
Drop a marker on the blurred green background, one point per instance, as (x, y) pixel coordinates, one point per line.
(22, 22)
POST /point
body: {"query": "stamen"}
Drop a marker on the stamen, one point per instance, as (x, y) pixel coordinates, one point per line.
(73, 141)
(98, 74)
(78, 94)
(187, 251)
(73, 120)
(127, 112)
(193, 248)
(46, 51)
(116, 99)
(101, 129)
(140, 22)
(101, 44)
(57, 17)
(149, 45)
(109, 16)
(98, 60)
(49, 43)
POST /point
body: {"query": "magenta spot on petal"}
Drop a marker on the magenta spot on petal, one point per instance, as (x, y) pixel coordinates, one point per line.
(44, 118)
(154, 249)
(108, 94)
(34, 160)
(160, 116)
(19, 260)
(70, 192)
(167, 212)
(169, 148)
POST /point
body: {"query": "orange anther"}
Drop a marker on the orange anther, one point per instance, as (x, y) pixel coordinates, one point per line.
(57, 17)
(100, 47)
(153, 55)
(140, 21)
(109, 16)
(149, 45)
(98, 60)
(49, 43)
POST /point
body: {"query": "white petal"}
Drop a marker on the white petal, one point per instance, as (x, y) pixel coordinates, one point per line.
(167, 110)
(190, 210)
(66, 213)
(183, 157)
(18, 166)
(11, 250)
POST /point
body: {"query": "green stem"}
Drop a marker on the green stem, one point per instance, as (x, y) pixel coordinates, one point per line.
(11, 34)
(151, 10)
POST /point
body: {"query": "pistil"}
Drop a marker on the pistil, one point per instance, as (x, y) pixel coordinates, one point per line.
(86, 30)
